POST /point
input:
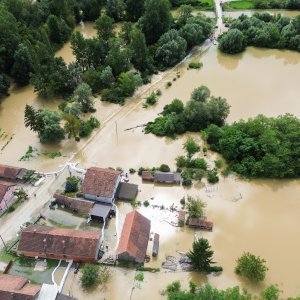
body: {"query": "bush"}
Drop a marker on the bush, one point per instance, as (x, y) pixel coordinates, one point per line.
(71, 184)
(87, 127)
(164, 168)
(158, 92)
(232, 42)
(169, 83)
(90, 275)
(152, 99)
(195, 65)
(195, 207)
(186, 178)
(182, 201)
(139, 277)
(132, 171)
(218, 163)
(212, 176)
(146, 203)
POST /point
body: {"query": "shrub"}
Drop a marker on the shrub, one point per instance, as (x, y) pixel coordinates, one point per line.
(181, 161)
(139, 277)
(132, 171)
(90, 275)
(164, 168)
(71, 184)
(195, 207)
(195, 65)
(151, 99)
(218, 163)
(212, 176)
(182, 201)
(158, 92)
(200, 163)
(169, 83)
(146, 203)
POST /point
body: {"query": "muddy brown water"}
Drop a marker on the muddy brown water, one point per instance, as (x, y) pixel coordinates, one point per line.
(261, 216)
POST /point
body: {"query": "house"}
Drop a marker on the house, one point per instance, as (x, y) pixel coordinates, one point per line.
(201, 223)
(59, 243)
(127, 191)
(167, 177)
(14, 287)
(12, 173)
(100, 184)
(79, 206)
(134, 238)
(6, 194)
(147, 176)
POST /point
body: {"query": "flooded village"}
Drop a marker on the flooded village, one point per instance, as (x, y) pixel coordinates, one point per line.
(109, 200)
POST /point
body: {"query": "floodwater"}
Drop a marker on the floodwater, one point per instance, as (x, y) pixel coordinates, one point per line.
(260, 216)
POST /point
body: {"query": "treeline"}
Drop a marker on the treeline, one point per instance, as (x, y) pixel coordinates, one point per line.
(260, 147)
(30, 32)
(199, 112)
(261, 30)
(150, 40)
(155, 42)
(281, 4)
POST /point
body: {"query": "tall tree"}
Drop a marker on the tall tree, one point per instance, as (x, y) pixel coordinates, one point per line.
(134, 9)
(4, 85)
(105, 26)
(83, 95)
(156, 19)
(116, 9)
(80, 50)
(72, 127)
(23, 64)
(139, 49)
(201, 255)
(33, 119)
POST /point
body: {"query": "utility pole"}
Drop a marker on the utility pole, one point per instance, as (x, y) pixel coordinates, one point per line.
(3, 241)
(117, 132)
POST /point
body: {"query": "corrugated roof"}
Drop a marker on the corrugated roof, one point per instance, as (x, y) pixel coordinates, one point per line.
(100, 210)
(17, 287)
(59, 241)
(98, 181)
(127, 191)
(135, 236)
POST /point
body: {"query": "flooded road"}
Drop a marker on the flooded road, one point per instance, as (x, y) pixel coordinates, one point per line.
(260, 216)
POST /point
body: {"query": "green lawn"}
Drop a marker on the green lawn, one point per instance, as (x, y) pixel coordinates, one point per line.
(243, 4)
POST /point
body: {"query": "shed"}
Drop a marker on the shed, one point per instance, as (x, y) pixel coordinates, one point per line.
(127, 191)
(155, 247)
(167, 177)
(100, 211)
(147, 176)
(201, 223)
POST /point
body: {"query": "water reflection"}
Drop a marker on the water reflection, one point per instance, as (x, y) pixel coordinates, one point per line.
(228, 61)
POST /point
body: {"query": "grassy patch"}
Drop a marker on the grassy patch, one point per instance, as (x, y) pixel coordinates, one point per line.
(52, 154)
(6, 256)
(60, 225)
(243, 4)
(206, 5)
(195, 65)
(139, 277)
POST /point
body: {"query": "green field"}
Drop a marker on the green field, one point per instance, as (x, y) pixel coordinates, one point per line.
(243, 4)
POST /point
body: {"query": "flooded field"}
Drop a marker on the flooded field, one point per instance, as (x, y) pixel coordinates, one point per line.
(260, 216)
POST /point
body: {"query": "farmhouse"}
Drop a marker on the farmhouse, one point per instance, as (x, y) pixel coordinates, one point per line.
(134, 238)
(59, 243)
(14, 287)
(100, 184)
(6, 194)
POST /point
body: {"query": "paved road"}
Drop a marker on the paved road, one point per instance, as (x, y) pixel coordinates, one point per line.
(219, 12)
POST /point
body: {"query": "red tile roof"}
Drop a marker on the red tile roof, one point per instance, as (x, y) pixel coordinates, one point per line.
(201, 223)
(9, 172)
(17, 287)
(79, 205)
(4, 187)
(100, 182)
(135, 236)
(147, 176)
(59, 241)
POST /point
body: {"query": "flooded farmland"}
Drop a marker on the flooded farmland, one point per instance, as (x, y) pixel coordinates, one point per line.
(260, 216)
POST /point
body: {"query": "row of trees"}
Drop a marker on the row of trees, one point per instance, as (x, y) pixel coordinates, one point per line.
(200, 111)
(260, 147)
(261, 30)
(285, 4)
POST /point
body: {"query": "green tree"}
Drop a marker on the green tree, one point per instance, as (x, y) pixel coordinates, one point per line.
(201, 255)
(118, 56)
(53, 30)
(72, 127)
(33, 119)
(156, 20)
(195, 207)
(90, 275)
(252, 267)
(139, 49)
(4, 85)
(193, 35)
(71, 184)
(185, 12)
(83, 95)
(23, 64)
(201, 93)
(80, 50)
(107, 77)
(232, 42)
(134, 9)
(116, 9)
(191, 147)
(105, 26)
(171, 49)
(176, 107)
(270, 293)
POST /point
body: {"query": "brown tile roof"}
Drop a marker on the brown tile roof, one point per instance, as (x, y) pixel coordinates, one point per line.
(59, 241)
(9, 172)
(79, 205)
(3, 188)
(100, 182)
(201, 223)
(135, 236)
(147, 175)
(17, 287)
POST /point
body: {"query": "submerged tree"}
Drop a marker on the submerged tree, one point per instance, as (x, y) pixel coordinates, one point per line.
(195, 207)
(83, 95)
